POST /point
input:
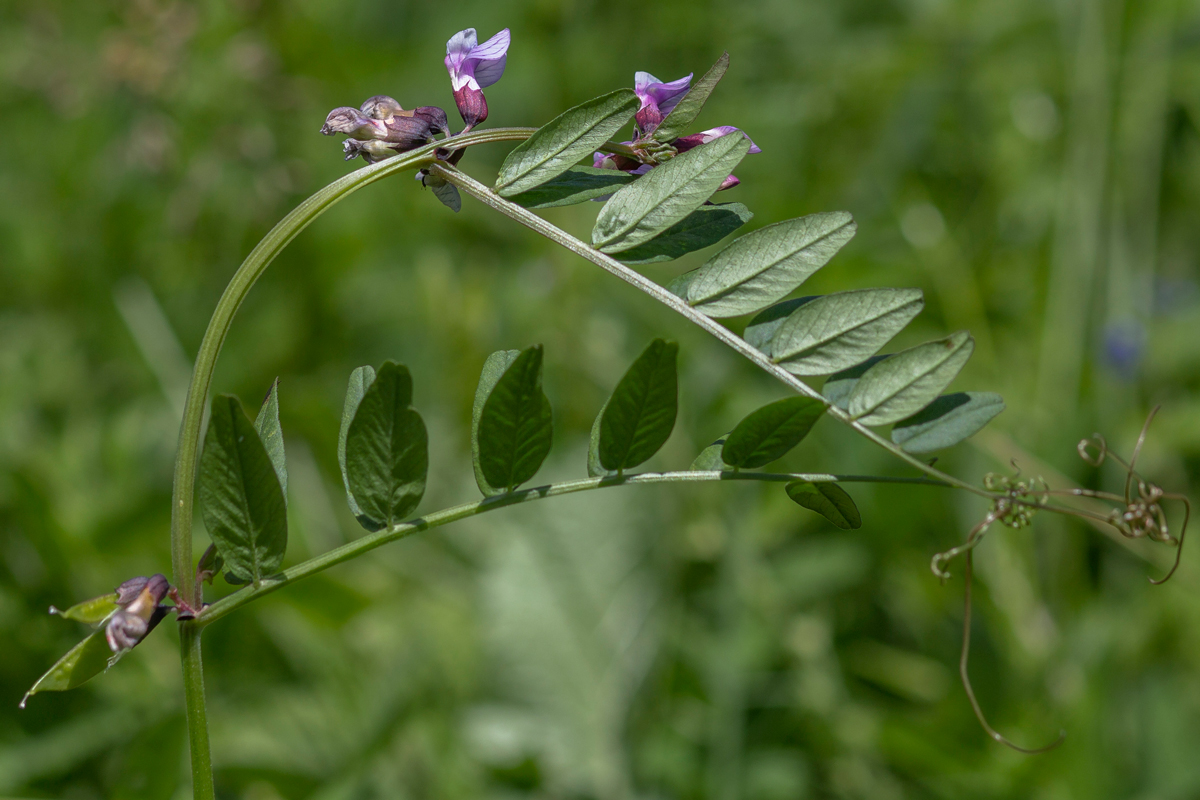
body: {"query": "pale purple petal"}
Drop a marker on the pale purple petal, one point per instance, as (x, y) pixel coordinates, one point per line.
(728, 183)
(598, 161)
(488, 72)
(493, 48)
(641, 84)
(460, 45)
(723, 130)
(668, 95)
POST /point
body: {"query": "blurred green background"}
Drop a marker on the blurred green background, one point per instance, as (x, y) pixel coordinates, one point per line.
(1034, 166)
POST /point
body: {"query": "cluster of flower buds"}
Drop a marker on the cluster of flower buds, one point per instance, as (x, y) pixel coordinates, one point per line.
(139, 610)
(381, 128)
(1021, 498)
(658, 99)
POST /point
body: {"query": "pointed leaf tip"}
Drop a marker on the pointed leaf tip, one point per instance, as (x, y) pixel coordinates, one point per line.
(240, 495)
(387, 450)
(829, 500)
(515, 430)
(638, 418)
(680, 120)
(771, 431)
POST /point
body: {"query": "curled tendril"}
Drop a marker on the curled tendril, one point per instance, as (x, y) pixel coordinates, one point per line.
(1101, 446)
(966, 678)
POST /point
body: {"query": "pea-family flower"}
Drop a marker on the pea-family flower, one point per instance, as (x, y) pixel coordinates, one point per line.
(381, 128)
(140, 611)
(473, 67)
(658, 99)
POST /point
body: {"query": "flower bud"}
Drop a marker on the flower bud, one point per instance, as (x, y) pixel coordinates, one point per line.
(381, 107)
(354, 124)
(472, 105)
(131, 623)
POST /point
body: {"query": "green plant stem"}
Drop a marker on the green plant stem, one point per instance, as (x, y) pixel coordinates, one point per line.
(527, 218)
(218, 327)
(369, 542)
(197, 711)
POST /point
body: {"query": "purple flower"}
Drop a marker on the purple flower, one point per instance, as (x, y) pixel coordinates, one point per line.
(658, 99)
(473, 67)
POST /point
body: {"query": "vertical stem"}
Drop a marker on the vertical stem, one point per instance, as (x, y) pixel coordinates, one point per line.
(197, 713)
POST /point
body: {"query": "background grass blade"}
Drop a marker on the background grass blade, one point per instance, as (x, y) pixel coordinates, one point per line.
(902, 385)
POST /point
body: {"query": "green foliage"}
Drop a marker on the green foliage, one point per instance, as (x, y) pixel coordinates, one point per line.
(666, 194)
(947, 421)
(80, 664)
(827, 334)
(360, 380)
(387, 450)
(770, 432)
(679, 121)
(576, 185)
(515, 429)
(639, 416)
(710, 457)
(827, 499)
(560, 143)
(92, 611)
(902, 385)
(267, 425)
(705, 226)
(767, 265)
(240, 496)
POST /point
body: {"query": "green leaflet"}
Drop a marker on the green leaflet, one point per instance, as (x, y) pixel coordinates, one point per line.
(267, 425)
(493, 368)
(594, 468)
(766, 323)
(771, 431)
(639, 416)
(704, 227)
(82, 662)
(908, 381)
(710, 457)
(837, 331)
(947, 421)
(685, 112)
(448, 195)
(92, 611)
(839, 385)
(576, 185)
(387, 450)
(768, 264)
(241, 499)
(515, 425)
(360, 379)
(666, 194)
(563, 141)
(829, 500)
